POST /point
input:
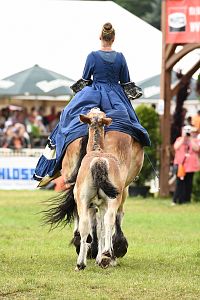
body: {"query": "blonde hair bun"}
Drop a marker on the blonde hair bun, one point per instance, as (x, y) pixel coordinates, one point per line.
(108, 32)
(107, 27)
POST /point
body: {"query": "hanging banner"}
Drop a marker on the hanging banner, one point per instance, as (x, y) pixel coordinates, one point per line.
(182, 21)
(16, 173)
(17, 168)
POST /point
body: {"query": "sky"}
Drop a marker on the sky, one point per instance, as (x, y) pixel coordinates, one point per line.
(58, 35)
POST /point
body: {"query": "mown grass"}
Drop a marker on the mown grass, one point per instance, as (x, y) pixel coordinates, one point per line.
(163, 259)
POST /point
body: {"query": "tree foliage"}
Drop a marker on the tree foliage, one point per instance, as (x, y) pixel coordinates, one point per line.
(154, 17)
(149, 119)
(196, 187)
(148, 10)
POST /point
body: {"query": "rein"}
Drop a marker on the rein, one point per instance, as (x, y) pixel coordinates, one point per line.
(153, 168)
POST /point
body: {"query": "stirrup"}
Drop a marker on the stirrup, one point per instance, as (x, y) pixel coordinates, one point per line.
(45, 180)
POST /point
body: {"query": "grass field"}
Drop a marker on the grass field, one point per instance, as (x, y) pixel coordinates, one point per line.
(163, 259)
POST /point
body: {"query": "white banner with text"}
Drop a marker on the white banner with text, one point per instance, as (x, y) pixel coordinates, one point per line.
(16, 172)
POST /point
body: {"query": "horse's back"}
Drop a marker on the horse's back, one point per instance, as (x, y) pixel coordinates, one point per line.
(126, 149)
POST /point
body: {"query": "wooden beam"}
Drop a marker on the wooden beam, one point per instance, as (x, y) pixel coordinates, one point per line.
(185, 76)
(177, 56)
(169, 51)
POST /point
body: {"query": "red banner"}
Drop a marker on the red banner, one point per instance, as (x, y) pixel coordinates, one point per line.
(182, 21)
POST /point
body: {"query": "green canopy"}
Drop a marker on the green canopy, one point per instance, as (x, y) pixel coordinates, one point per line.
(36, 81)
(151, 87)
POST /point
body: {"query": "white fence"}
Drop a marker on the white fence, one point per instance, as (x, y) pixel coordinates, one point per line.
(17, 168)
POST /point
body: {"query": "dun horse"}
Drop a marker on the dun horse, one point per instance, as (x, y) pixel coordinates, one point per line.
(99, 184)
(129, 154)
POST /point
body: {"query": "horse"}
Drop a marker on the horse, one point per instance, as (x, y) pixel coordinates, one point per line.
(63, 209)
(99, 185)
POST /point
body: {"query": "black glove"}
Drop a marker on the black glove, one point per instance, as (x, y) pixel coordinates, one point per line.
(80, 84)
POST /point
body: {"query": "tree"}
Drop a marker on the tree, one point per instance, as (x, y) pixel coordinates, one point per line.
(149, 120)
(149, 11)
(154, 17)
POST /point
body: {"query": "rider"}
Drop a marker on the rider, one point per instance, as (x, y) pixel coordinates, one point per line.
(105, 84)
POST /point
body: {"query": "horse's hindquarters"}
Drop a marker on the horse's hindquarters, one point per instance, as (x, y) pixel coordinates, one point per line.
(128, 151)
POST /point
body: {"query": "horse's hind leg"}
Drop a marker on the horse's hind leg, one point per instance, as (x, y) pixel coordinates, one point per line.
(100, 233)
(84, 229)
(93, 248)
(76, 240)
(92, 239)
(109, 222)
(120, 243)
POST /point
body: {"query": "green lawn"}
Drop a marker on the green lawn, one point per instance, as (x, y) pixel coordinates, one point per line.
(163, 259)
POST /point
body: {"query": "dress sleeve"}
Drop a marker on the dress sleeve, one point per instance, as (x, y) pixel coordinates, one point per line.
(89, 67)
(124, 73)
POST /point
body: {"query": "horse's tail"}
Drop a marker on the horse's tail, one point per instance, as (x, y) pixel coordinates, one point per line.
(99, 171)
(62, 207)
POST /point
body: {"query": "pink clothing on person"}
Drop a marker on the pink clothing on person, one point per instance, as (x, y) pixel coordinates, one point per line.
(192, 162)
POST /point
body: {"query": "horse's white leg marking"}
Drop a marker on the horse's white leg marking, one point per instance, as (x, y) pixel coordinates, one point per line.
(109, 221)
(84, 229)
(100, 233)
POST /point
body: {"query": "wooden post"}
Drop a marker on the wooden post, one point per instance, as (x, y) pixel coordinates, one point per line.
(166, 125)
(165, 136)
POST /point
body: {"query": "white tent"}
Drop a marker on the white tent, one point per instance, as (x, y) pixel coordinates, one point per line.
(58, 35)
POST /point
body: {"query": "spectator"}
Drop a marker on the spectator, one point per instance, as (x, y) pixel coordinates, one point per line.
(41, 112)
(16, 137)
(52, 118)
(186, 159)
(196, 121)
(35, 125)
(17, 127)
(2, 120)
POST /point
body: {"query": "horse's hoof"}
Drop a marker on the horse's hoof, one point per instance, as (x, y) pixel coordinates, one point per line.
(80, 267)
(120, 245)
(105, 261)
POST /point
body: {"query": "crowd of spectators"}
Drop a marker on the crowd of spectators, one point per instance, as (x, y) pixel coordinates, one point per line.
(22, 129)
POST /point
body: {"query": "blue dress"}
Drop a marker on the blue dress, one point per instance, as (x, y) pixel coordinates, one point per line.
(109, 70)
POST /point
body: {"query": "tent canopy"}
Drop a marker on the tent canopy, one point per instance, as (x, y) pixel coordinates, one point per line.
(35, 81)
(151, 87)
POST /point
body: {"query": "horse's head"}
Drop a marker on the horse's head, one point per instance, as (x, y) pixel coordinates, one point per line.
(96, 117)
